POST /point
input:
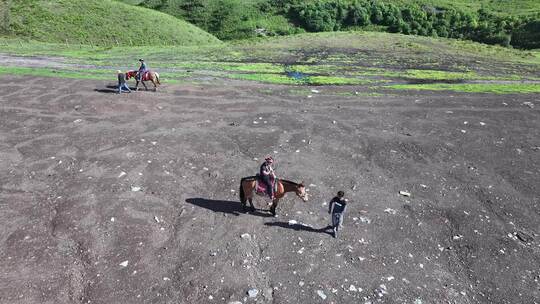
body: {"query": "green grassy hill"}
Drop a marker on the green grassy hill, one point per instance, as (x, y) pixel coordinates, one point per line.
(98, 22)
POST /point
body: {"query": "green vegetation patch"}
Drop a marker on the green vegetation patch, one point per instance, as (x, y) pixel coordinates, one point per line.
(518, 88)
(309, 80)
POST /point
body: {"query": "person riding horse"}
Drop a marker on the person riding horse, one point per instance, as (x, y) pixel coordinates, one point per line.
(268, 176)
(142, 70)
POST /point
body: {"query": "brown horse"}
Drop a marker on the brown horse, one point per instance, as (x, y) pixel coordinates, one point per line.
(247, 191)
(150, 75)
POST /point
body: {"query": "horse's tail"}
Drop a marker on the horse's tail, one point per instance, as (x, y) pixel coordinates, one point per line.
(241, 192)
(157, 79)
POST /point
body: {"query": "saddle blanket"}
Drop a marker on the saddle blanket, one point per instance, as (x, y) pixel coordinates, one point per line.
(260, 187)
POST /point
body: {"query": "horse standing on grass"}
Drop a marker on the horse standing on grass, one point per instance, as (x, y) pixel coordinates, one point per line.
(148, 76)
(248, 186)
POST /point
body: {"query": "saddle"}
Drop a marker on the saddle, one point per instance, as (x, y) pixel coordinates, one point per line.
(145, 76)
(260, 186)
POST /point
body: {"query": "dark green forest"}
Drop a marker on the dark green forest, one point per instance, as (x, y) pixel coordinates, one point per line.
(239, 19)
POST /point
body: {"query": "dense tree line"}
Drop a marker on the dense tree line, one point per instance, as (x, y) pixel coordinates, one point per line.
(235, 19)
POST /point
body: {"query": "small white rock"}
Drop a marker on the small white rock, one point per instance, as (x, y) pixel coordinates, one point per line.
(135, 188)
(321, 294)
(124, 263)
(405, 193)
(253, 293)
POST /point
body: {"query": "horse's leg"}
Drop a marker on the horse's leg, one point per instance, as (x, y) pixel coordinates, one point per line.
(136, 85)
(144, 84)
(251, 204)
(274, 206)
(155, 86)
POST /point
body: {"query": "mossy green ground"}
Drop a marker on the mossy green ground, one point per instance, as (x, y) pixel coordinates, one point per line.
(371, 59)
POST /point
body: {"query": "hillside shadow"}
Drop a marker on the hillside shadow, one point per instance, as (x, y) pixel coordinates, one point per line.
(300, 227)
(228, 207)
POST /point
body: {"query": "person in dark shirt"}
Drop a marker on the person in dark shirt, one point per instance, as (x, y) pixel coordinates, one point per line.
(122, 84)
(267, 175)
(142, 69)
(336, 208)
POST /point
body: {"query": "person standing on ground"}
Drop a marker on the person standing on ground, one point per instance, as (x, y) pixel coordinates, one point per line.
(337, 208)
(122, 84)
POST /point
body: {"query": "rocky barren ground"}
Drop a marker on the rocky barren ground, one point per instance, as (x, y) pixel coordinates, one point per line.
(133, 198)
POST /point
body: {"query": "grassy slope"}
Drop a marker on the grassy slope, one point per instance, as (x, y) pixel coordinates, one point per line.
(372, 60)
(101, 22)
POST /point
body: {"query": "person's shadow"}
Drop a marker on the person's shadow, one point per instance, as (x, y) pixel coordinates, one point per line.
(110, 89)
(228, 207)
(300, 227)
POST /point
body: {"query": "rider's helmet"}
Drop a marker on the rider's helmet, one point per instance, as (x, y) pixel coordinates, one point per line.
(269, 159)
(141, 60)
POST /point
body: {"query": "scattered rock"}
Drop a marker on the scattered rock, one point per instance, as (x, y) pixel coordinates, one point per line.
(353, 288)
(124, 263)
(314, 91)
(528, 104)
(457, 237)
(301, 283)
(77, 120)
(246, 236)
(121, 174)
(135, 188)
(381, 291)
(390, 211)
(366, 220)
(166, 279)
(405, 193)
(156, 219)
(252, 293)
(522, 236)
(321, 294)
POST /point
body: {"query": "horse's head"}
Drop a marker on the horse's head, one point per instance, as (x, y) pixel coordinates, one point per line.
(130, 74)
(301, 192)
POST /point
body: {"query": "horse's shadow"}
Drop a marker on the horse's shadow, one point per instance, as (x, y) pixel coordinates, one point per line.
(300, 227)
(228, 207)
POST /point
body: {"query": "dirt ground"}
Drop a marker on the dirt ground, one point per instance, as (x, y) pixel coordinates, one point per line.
(133, 198)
